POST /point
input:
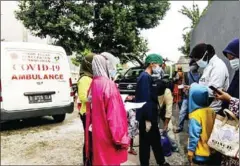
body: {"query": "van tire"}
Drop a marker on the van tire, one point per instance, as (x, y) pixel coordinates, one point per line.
(59, 118)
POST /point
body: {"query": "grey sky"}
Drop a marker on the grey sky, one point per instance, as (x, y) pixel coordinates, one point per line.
(11, 28)
(164, 39)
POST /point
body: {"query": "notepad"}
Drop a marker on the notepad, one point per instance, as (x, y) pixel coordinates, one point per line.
(131, 105)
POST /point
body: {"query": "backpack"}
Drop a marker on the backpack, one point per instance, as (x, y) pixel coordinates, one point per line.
(169, 84)
(159, 87)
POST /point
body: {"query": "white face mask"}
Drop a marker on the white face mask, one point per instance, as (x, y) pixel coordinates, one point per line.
(201, 63)
(234, 64)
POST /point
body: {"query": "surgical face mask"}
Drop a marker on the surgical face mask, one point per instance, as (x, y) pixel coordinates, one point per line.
(113, 73)
(234, 64)
(201, 63)
(156, 70)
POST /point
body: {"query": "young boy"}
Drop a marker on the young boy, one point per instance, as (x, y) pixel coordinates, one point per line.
(200, 124)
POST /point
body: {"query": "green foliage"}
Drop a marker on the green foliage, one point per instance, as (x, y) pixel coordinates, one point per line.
(101, 25)
(78, 57)
(185, 49)
(75, 61)
(194, 15)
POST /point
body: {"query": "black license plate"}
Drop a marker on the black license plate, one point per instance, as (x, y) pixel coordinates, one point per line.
(40, 99)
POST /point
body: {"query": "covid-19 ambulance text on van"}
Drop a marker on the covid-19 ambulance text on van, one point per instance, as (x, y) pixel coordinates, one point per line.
(35, 81)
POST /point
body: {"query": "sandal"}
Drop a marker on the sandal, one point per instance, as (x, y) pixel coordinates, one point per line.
(133, 152)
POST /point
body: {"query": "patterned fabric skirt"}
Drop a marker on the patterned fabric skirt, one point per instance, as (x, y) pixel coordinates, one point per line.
(132, 123)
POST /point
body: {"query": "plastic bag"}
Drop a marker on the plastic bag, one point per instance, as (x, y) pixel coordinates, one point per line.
(166, 144)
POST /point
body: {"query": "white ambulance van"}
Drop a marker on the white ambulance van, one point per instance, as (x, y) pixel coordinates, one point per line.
(35, 81)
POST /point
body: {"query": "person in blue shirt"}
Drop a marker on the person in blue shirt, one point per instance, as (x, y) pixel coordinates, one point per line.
(192, 76)
(147, 116)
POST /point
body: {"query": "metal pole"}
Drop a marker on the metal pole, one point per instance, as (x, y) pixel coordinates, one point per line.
(25, 34)
(2, 39)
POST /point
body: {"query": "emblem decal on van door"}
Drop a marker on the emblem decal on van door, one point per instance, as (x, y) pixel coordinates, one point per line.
(56, 58)
(14, 56)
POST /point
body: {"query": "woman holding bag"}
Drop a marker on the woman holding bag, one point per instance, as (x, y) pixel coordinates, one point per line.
(232, 101)
(233, 107)
(231, 98)
(232, 54)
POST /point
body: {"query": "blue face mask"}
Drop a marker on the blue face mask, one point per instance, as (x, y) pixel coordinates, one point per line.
(113, 73)
(156, 70)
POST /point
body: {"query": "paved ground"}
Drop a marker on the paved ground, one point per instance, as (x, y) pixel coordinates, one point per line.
(181, 139)
(43, 142)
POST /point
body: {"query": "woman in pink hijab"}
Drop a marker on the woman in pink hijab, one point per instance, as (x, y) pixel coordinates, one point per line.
(106, 117)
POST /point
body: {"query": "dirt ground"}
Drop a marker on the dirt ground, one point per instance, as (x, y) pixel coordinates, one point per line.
(43, 142)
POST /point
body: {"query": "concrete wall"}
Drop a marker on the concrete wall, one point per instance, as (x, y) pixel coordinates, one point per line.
(218, 26)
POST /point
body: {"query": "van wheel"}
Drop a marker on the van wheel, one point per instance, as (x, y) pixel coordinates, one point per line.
(59, 118)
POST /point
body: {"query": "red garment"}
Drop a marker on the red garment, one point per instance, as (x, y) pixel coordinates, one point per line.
(109, 124)
(79, 105)
(177, 94)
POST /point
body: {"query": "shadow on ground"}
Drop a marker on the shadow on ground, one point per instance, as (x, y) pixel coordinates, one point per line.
(26, 123)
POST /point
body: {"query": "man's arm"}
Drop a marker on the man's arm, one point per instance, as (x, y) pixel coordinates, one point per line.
(168, 99)
(218, 80)
(195, 130)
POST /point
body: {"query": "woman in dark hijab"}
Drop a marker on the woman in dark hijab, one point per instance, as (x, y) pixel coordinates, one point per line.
(232, 53)
(86, 66)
